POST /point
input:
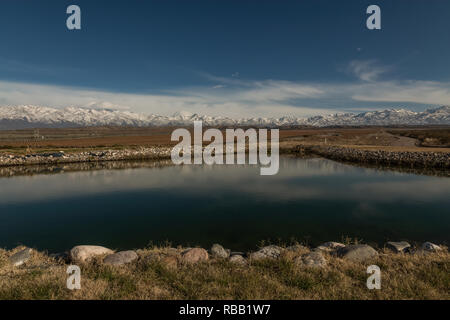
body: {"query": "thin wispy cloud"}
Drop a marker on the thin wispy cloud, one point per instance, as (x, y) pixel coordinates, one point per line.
(425, 92)
(235, 103)
(239, 98)
(367, 70)
(280, 91)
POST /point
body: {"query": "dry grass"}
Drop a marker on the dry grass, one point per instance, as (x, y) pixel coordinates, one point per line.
(72, 140)
(436, 137)
(404, 276)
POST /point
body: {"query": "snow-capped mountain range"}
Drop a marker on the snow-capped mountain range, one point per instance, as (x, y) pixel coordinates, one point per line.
(20, 117)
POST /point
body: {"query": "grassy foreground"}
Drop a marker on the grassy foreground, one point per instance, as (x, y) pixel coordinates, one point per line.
(403, 276)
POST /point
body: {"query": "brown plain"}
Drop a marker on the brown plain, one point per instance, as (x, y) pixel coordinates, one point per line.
(433, 139)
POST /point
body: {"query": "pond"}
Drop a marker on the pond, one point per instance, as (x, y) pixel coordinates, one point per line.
(310, 200)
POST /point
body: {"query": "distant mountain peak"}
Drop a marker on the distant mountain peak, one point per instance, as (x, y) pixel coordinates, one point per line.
(29, 116)
(182, 114)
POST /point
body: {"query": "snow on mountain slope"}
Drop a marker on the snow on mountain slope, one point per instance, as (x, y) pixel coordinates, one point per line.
(19, 117)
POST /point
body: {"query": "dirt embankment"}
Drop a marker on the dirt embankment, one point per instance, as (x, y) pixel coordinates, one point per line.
(378, 146)
(390, 157)
(149, 153)
(412, 159)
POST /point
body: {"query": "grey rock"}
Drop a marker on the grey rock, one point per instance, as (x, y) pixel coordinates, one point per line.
(401, 246)
(120, 258)
(330, 246)
(20, 257)
(313, 259)
(239, 260)
(428, 246)
(195, 255)
(237, 253)
(268, 252)
(357, 253)
(218, 251)
(86, 252)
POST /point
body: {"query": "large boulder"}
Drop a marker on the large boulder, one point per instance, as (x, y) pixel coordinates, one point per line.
(217, 251)
(313, 259)
(238, 260)
(20, 257)
(268, 252)
(401, 246)
(357, 253)
(84, 253)
(195, 255)
(431, 247)
(120, 258)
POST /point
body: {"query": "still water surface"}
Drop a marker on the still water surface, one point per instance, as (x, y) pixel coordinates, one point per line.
(311, 200)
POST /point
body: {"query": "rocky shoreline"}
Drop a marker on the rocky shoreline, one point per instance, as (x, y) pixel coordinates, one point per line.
(330, 271)
(174, 257)
(403, 159)
(29, 170)
(409, 159)
(49, 158)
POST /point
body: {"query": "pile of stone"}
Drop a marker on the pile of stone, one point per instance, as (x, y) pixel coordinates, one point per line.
(173, 257)
(85, 156)
(416, 159)
(10, 171)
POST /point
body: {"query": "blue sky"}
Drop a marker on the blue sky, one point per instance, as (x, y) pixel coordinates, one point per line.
(234, 58)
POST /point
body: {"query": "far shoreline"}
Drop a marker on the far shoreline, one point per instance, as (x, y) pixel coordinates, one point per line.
(421, 150)
(432, 163)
